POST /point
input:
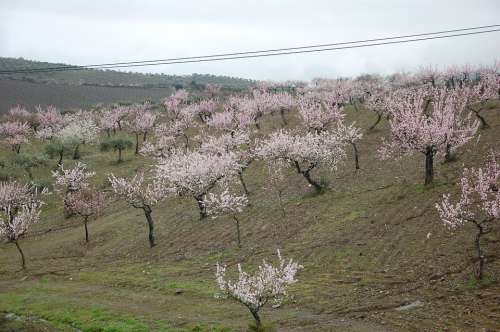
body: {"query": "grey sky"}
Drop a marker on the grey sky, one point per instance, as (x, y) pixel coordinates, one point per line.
(86, 32)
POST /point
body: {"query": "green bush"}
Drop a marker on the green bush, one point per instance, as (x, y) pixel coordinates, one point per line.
(117, 144)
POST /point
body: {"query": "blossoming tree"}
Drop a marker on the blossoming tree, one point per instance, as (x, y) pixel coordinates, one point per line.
(194, 173)
(226, 203)
(269, 283)
(87, 202)
(19, 209)
(414, 128)
(141, 195)
(303, 152)
(479, 203)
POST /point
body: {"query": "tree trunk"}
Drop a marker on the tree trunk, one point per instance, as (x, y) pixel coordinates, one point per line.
(85, 220)
(59, 162)
(379, 117)
(108, 132)
(479, 251)
(136, 143)
(429, 165)
(242, 181)
(356, 155)
(484, 124)
(76, 153)
(144, 136)
(23, 262)
(186, 138)
(448, 156)
(238, 231)
(151, 227)
(18, 149)
(201, 205)
(306, 174)
(258, 322)
(283, 118)
(120, 155)
(280, 201)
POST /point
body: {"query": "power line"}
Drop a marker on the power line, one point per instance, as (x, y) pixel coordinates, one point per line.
(265, 53)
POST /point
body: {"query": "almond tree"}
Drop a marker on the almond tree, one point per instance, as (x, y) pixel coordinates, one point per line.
(268, 283)
(195, 174)
(350, 134)
(414, 128)
(176, 102)
(226, 203)
(318, 116)
(232, 142)
(79, 129)
(14, 134)
(303, 152)
(140, 195)
(141, 122)
(479, 203)
(19, 209)
(87, 202)
(71, 180)
(50, 120)
(21, 114)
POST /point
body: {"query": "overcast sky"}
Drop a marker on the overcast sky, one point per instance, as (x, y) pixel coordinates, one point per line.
(99, 31)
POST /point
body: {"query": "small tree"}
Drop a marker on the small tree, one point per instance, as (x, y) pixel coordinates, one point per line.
(19, 209)
(140, 195)
(71, 180)
(226, 203)
(87, 202)
(303, 152)
(117, 144)
(269, 283)
(195, 173)
(79, 130)
(14, 134)
(57, 148)
(479, 203)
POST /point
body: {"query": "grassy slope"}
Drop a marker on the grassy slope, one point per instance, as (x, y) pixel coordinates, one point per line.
(363, 244)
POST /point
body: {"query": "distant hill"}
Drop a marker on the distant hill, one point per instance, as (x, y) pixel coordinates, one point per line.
(82, 88)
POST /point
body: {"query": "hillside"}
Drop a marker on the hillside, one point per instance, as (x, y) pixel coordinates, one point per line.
(84, 88)
(370, 245)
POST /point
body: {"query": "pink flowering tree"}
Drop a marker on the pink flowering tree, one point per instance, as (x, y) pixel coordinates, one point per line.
(237, 142)
(19, 209)
(226, 203)
(108, 121)
(87, 202)
(318, 116)
(71, 180)
(174, 103)
(303, 152)
(268, 284)
(15, 134)
(350, 134)
(140, 194)
(414, 128)
(479, 203)
(50, 122)
(195, 174)
(21, 114)
(163, 143)
(80, 129)
(141, 122)
(377, 101)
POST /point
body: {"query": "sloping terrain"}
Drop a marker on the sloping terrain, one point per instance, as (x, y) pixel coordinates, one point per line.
(370, 245)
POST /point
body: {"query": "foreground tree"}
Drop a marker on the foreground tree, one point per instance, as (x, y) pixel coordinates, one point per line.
(415, 128)
(269, 283)
(303, 152)
(195, 174)
(19, 209)
(140, 195)
(226, 203)
(87, 202)
(479, 203)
